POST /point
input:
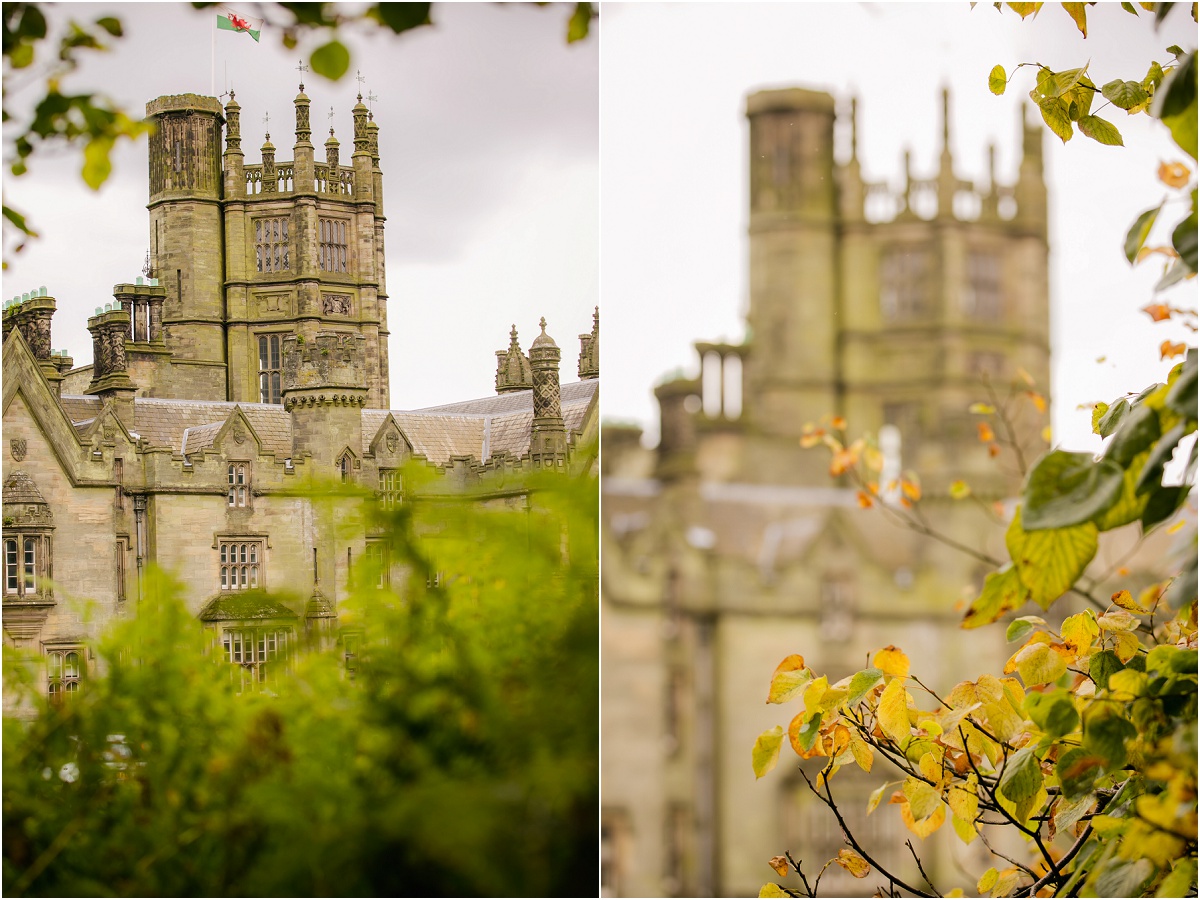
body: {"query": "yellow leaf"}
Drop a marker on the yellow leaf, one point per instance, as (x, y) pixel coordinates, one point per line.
(923, 828)
(1047, 434)
(766, 751)
(959, 490)
(773, 890)
(1117, 620)
(1049, 561)
(1040, 664)
(922, 799)
(853, 863)
(779, 864)
(891, 660)
(863, 753)
(789, 679)
(1025, 376)
(1078, 632)
(911, 487)
(957, 892)
(963, 800)
(1125, 645)
(1127, 684)
(1174, 174)
(1078, 13)
(1178, 526)
(893, 710)
(966, 831)
(1006, 882)
(931, 766)
(1037, 399)
(876, 796)
(1125, 600)
(981, 409)
(814, 692)
(987, 881)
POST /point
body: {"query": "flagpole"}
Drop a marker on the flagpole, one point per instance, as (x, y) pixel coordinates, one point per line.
(212, 72)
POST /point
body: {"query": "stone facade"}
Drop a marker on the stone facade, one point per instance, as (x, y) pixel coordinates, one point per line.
(729, 547)
(245, 370)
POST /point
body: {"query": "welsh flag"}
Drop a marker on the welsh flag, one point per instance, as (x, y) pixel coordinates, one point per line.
(228, 20)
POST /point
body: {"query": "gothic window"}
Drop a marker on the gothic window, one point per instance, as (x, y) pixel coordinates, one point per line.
(240, 565)
(256, 653)
(344, 467)
(63, 671)
(983, 299)
(904, 276)
(271, 245)
(390, 492)
(269, 368)
(238, 475)
(26, 564)
(379, 560)
(333, 253)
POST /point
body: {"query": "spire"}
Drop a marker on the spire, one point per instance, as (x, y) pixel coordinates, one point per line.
(512, 367)
(947, 184)
(331, 152)
(548, 440)
(854, 129)
(361, 140)
(233, 125)
(303, 127)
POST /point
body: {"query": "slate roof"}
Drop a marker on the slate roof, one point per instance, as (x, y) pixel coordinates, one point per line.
(472, 428)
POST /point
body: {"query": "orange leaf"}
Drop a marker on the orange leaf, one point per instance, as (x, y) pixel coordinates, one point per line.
(864, 500)
(789, 679)
(891, 660)
(993, 450)
(985, 432)
(1038, 400)
(1167, 350)
(853, 863)
(779, 864)
(838, 423)
(1174, 175)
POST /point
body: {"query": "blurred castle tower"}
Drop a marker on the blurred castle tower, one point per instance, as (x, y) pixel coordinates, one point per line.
(728, 547)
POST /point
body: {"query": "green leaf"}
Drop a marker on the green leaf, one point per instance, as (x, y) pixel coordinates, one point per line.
(1102, 666)
(1130, 505)
(111, 25)
(766, 751)
(96, 164)
(1124, 94)
(1175, 274)
(1181, 396)
(789, 679)
(1068, 488)
(1049, 562)
(331, 60)
(1060, 82)
(1135, 239)
(403, 16)
(861, 684)
(1119, 878)
(581, 21)
(1175, 50)
(1022, 776)
(1105, 732)
(18, 221)
(1078, 771)
(1175, 103)
(1002, 591)
(1101, 131)
(1162, 504)
(1179, 882)
(809, 730)
(997, 80)
(1128, 7)
(1054, 712)
(21, 56)
(1019, 629)
(1151, 469)
(1154, 77)
(1138, 431)
(1056, 115)
(1183, 239)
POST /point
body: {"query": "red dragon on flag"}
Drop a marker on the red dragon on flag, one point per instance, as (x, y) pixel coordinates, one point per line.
(230, 20)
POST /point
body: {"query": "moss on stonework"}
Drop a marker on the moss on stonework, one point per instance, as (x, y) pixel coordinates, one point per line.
(240, 605)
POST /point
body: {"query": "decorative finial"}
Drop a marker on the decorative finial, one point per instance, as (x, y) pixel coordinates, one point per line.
(543, 324)
(371, 98)
(267, 120)
(146, 267)
(361, 79)
(945, 119)
(302, 68)
(330, 117)
(854, 128)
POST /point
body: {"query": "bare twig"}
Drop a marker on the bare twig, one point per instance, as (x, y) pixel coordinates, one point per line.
(921, 868)
(846, 833)
(796, 866)
(1028, 871)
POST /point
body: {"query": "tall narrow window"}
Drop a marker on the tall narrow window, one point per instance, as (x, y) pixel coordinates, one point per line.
(63, 669)
(344, 467)
(379, 562)
(240, 564)
(904, 275)
(271, 245)
(122, 550)
(269, 368)
(389, 488)
(12, 572)
(239, 484)
(30, 565)
(333, 255)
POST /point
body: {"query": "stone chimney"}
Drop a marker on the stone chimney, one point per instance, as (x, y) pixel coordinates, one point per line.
(31, 314)
(110, 375)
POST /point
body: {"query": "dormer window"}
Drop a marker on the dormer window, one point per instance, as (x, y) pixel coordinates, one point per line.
(238, 475)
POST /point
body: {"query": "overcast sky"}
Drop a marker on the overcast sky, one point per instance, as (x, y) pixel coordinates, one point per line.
(674, 140)
(489, 150)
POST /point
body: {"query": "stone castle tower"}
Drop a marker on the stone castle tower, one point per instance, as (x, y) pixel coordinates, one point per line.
(885, 306)
(729, 547)
(301, 254)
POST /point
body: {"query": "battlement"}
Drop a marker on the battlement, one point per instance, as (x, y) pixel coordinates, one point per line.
(332, 362)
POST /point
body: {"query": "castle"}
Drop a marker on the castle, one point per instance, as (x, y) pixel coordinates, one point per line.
(248, 365)
(729, 547)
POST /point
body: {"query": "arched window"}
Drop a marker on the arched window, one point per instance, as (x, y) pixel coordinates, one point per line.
(63, 671)
(344, 467)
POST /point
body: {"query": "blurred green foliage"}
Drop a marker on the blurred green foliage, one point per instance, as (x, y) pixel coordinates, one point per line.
(457, 754)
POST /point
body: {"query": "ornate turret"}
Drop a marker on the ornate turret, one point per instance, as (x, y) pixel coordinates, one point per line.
(331, 151)
(512, 367)
(235, 159)
(303, 156)
(361, 160)
(589, 349)
(270, 182)
(548, 441)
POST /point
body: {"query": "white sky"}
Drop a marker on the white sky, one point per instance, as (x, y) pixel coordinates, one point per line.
(674, 148)
(489, 149)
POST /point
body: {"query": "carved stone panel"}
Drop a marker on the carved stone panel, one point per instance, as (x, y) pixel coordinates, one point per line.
(274, 305)
(337, 304)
